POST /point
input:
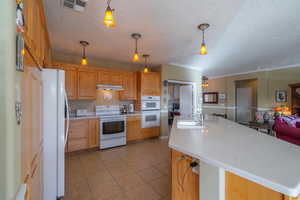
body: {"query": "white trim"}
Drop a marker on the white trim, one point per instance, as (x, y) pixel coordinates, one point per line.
(164, 137)
(254, 71)
(187, 67)
(234, 107)
(219, 107)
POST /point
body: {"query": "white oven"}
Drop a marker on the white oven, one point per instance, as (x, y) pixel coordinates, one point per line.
(150, 119)
(112, 131)
(150, 102)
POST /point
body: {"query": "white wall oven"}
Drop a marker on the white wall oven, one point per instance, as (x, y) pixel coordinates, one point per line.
(150, 103)
(150, 119)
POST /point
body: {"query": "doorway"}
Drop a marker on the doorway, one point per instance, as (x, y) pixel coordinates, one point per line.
(181, 99)
(246, 100)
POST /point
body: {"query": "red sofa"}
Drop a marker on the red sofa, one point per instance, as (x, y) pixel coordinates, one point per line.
(286, 132)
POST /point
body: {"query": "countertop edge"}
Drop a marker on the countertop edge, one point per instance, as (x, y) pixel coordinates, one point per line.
(279, 188)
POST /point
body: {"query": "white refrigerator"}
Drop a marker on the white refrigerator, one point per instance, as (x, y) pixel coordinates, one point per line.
(55, 109)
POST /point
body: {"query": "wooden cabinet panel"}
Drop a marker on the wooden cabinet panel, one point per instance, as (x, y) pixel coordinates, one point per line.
(86, 84)
(37, 180)
(185, 183)
(129, 85)
(150, 132)
(26, 125)
(93, 133)
(133, 131)
(109, 77)
(242, 189)
(150, 84)
(71, 83)
(36, 33)
(77, 144)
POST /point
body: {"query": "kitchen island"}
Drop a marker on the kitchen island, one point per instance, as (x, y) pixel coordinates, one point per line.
(235, 163)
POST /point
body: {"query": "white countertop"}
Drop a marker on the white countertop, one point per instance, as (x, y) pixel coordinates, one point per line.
(94, 116)
(245, 152)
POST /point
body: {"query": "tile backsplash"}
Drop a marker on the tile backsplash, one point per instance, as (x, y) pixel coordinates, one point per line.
(104, 97)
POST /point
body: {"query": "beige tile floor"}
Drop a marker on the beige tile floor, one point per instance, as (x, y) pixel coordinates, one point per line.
(139, 171)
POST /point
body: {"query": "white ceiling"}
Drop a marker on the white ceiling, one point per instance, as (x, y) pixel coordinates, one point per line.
(245, 35)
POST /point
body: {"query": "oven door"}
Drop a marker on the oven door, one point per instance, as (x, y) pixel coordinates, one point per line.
(150, 119)
(112, 128)
(150, 105)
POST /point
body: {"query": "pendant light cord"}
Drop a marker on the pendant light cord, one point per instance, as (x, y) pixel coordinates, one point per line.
(108, 2)
(136, 43)
(83, 51)
(203, 41)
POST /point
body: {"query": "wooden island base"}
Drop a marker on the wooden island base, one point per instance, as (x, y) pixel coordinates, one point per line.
(185, 184)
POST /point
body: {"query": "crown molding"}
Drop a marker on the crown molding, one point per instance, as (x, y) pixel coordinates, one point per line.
(254, 71)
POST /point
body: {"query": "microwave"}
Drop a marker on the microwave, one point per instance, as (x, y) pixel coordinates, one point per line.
(150, 103)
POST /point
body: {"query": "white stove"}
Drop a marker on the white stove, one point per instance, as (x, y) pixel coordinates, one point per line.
(112, 126)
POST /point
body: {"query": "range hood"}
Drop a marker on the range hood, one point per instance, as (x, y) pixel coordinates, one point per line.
(109, 87)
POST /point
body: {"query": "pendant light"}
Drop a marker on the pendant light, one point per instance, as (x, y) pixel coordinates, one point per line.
(108, 17)
(84, 60)
(204, 81)
(146, 69)
(136, 36)
(203, 27)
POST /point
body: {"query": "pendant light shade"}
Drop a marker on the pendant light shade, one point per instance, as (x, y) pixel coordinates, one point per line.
(146, 69)
(204, 81)
(203, 27)
(84, 44)
(108, 19)
(136, 36)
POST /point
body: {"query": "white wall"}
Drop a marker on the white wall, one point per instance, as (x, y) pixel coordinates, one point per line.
(9, 83)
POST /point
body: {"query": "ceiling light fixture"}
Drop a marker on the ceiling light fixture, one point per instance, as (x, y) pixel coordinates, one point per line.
(203, 27)
(108, 17)
(204, 81)
(136, 36)
(84, 44)
(146, 56)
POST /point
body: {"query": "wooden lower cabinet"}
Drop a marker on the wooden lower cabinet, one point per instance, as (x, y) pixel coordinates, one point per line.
(185, 184)
(150, 132)
(93, 134)
(133, 131)
(83, 134)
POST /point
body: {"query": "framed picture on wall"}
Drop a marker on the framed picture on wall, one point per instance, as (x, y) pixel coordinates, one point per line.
(281, 96)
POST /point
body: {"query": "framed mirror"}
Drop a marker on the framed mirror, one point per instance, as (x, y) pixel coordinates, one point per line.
(210, 97)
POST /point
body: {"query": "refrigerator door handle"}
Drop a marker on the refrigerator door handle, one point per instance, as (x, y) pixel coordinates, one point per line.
(68, 118)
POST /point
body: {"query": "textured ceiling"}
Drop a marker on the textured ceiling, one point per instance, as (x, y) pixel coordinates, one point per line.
(245, 35)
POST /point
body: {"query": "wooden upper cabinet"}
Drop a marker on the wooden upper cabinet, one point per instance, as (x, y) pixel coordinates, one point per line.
(87, 84)
(71, 82)
(129, 85)
(150, 84)
(109, 77)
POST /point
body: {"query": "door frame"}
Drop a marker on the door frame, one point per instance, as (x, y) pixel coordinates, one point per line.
(194, 91)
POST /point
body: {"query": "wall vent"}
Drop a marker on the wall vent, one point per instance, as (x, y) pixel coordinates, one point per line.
(77, 5)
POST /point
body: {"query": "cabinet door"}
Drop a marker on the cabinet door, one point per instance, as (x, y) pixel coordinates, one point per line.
(185, 183)
(36, 181)
(150, 132)
(26, 124)
(133, 131)
(150, 84)
(86, 84)
(104, 77)
(71, 83)
(129, 86)
(78, 135)
(93, 133)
